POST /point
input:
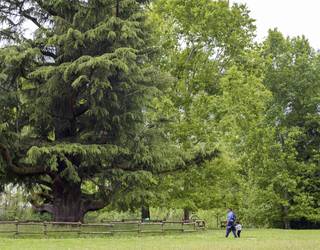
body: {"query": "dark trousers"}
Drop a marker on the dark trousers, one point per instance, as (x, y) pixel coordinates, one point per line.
(238, 233)
(231, 227)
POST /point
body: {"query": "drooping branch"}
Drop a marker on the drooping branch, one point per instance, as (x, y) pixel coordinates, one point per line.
(44, 195)
(20, 169)
(43, 182)
(197, 160)
(201, 158)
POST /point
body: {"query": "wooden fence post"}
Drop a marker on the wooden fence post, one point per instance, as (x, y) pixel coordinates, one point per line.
(218, 223)
(79, 230)
(45, 228)
(17, 228)
(139, 227)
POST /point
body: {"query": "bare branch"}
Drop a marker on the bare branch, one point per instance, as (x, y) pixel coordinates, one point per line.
(46, 8)
(32, 19)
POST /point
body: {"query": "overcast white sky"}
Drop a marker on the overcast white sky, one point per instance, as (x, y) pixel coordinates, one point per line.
(291, 17)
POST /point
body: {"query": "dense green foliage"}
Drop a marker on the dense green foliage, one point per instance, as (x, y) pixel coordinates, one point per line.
(286, 174)
(197, 51)
(257, 103)
(126, 103)
(73, 104)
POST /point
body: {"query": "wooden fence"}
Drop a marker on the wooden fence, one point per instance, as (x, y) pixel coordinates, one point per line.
(17, 228)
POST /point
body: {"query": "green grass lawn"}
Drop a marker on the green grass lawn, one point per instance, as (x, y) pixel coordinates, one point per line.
(252, 239)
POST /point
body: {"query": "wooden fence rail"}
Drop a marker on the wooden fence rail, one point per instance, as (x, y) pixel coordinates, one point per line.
(60, 228)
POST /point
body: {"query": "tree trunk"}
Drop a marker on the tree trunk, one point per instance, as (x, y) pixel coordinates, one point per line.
(186, 214)
(287, 224)
(286, 221)
(145, 213)
(67, 203)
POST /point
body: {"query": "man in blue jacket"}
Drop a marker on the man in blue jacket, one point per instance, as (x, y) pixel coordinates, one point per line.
(231, 219)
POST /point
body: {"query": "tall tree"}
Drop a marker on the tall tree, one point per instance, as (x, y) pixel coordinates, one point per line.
(292, 76)
(73, 99)
(281, 154)
(201, 40)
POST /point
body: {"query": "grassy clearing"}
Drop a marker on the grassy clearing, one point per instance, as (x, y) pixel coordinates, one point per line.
(252, 239)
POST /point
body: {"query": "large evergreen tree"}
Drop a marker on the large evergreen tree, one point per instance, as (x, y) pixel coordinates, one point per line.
(73, 99)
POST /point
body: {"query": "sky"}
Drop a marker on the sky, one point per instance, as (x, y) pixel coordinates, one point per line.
(291, 17)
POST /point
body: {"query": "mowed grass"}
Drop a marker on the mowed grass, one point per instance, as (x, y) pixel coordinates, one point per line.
(252, 239)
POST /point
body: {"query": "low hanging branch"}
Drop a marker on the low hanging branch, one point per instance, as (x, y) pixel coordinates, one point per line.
(20, 169)
(43, 208)
(197, 160)
(94, 204)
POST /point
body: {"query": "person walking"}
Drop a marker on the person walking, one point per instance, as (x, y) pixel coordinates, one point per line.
(231, 219)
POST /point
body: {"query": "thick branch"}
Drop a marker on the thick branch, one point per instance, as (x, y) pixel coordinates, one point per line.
(91, 203)
(48, 53)
(20, 169)
(94, 202)
(46, 8)
(201, 158)
(32, 19)
(95, 205)
(43, 208)
(117, 8)
(81, 110)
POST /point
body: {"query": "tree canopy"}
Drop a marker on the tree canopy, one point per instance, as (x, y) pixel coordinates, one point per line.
(73, 102)
(131, 104)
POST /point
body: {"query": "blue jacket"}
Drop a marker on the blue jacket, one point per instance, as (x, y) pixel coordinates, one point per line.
(231, 217)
